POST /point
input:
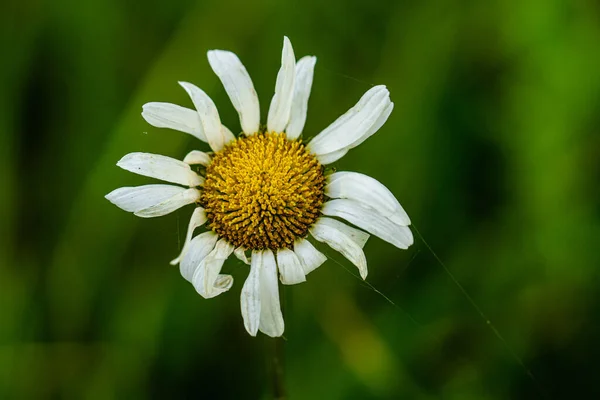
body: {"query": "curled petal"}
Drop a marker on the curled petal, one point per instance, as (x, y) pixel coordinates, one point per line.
(207, 279)
(198, 249)
(198, 219)
(309, 257)
(196, 157)
(359, 237)
(352, 128)
(337, 240)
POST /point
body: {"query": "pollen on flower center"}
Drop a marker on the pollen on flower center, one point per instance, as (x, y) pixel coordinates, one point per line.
(263, 191)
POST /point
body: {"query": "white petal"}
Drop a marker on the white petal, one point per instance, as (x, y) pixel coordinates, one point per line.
(172, 116)
(211, 123)
(370, 220)
(160, 167)
(367, 191)
(325, 233)
(198, 219)
(309, 257)
(240, 253)
(352, 128)
(329, 158)
(195, 157)
(250, 297)
(199, 248)
(271, 318)
(359, 237)
(281, 104)
(137, 198)
(184, 198)
(304, 77)
(206, 279)
(227, 135)
(238, 86)
(290, 268)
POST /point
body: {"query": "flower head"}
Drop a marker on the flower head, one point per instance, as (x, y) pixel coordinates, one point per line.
(265, 192)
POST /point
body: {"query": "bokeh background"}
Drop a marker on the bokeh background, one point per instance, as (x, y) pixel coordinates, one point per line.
(493, 149)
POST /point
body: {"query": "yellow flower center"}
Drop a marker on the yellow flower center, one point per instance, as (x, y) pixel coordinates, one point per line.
(263, 191)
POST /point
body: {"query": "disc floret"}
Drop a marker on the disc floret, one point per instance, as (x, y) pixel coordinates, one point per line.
(263, 191)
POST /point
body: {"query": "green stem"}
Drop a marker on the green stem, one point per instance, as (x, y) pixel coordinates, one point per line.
(275, 358)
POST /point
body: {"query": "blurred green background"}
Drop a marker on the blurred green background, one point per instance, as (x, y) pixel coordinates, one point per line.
(493, 149)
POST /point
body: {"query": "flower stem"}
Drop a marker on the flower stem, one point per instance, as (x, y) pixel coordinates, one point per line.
(275, 358)
(276, 367)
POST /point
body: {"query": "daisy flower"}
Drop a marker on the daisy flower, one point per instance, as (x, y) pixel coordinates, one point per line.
(262, 195)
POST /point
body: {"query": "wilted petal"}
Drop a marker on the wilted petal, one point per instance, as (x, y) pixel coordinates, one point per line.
(240, 253)
(172, 116)
(211, 123)
(271, 318)
(137, 198)
(304, 78)
(370, 220)
(199, 248)
(184, 198)
(281, 104)
(359, 237)
(205, 276)
(238, 86)
(160, 167)
(325, 233)
(196, 157)
(290, 267)
(367, 191)
(198, 219)
(309, 257)
(352, 128)
(250, 297)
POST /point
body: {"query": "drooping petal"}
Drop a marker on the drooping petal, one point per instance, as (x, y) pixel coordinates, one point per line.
(240, 253)
(199, 248)
(370, 220)
(205, 278)
(250, 297)
(137, 198)
(309, 257)
(195, 157)
(271, 318)
(337, 240)
(184, 198)
(367, 191)
(281, 104)
(304, 77)
(359, 237)
(211, 123)
(198, 219)
(352, 128)
(238, 86)
(160, 167)
(290, 267)
(172, 116)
